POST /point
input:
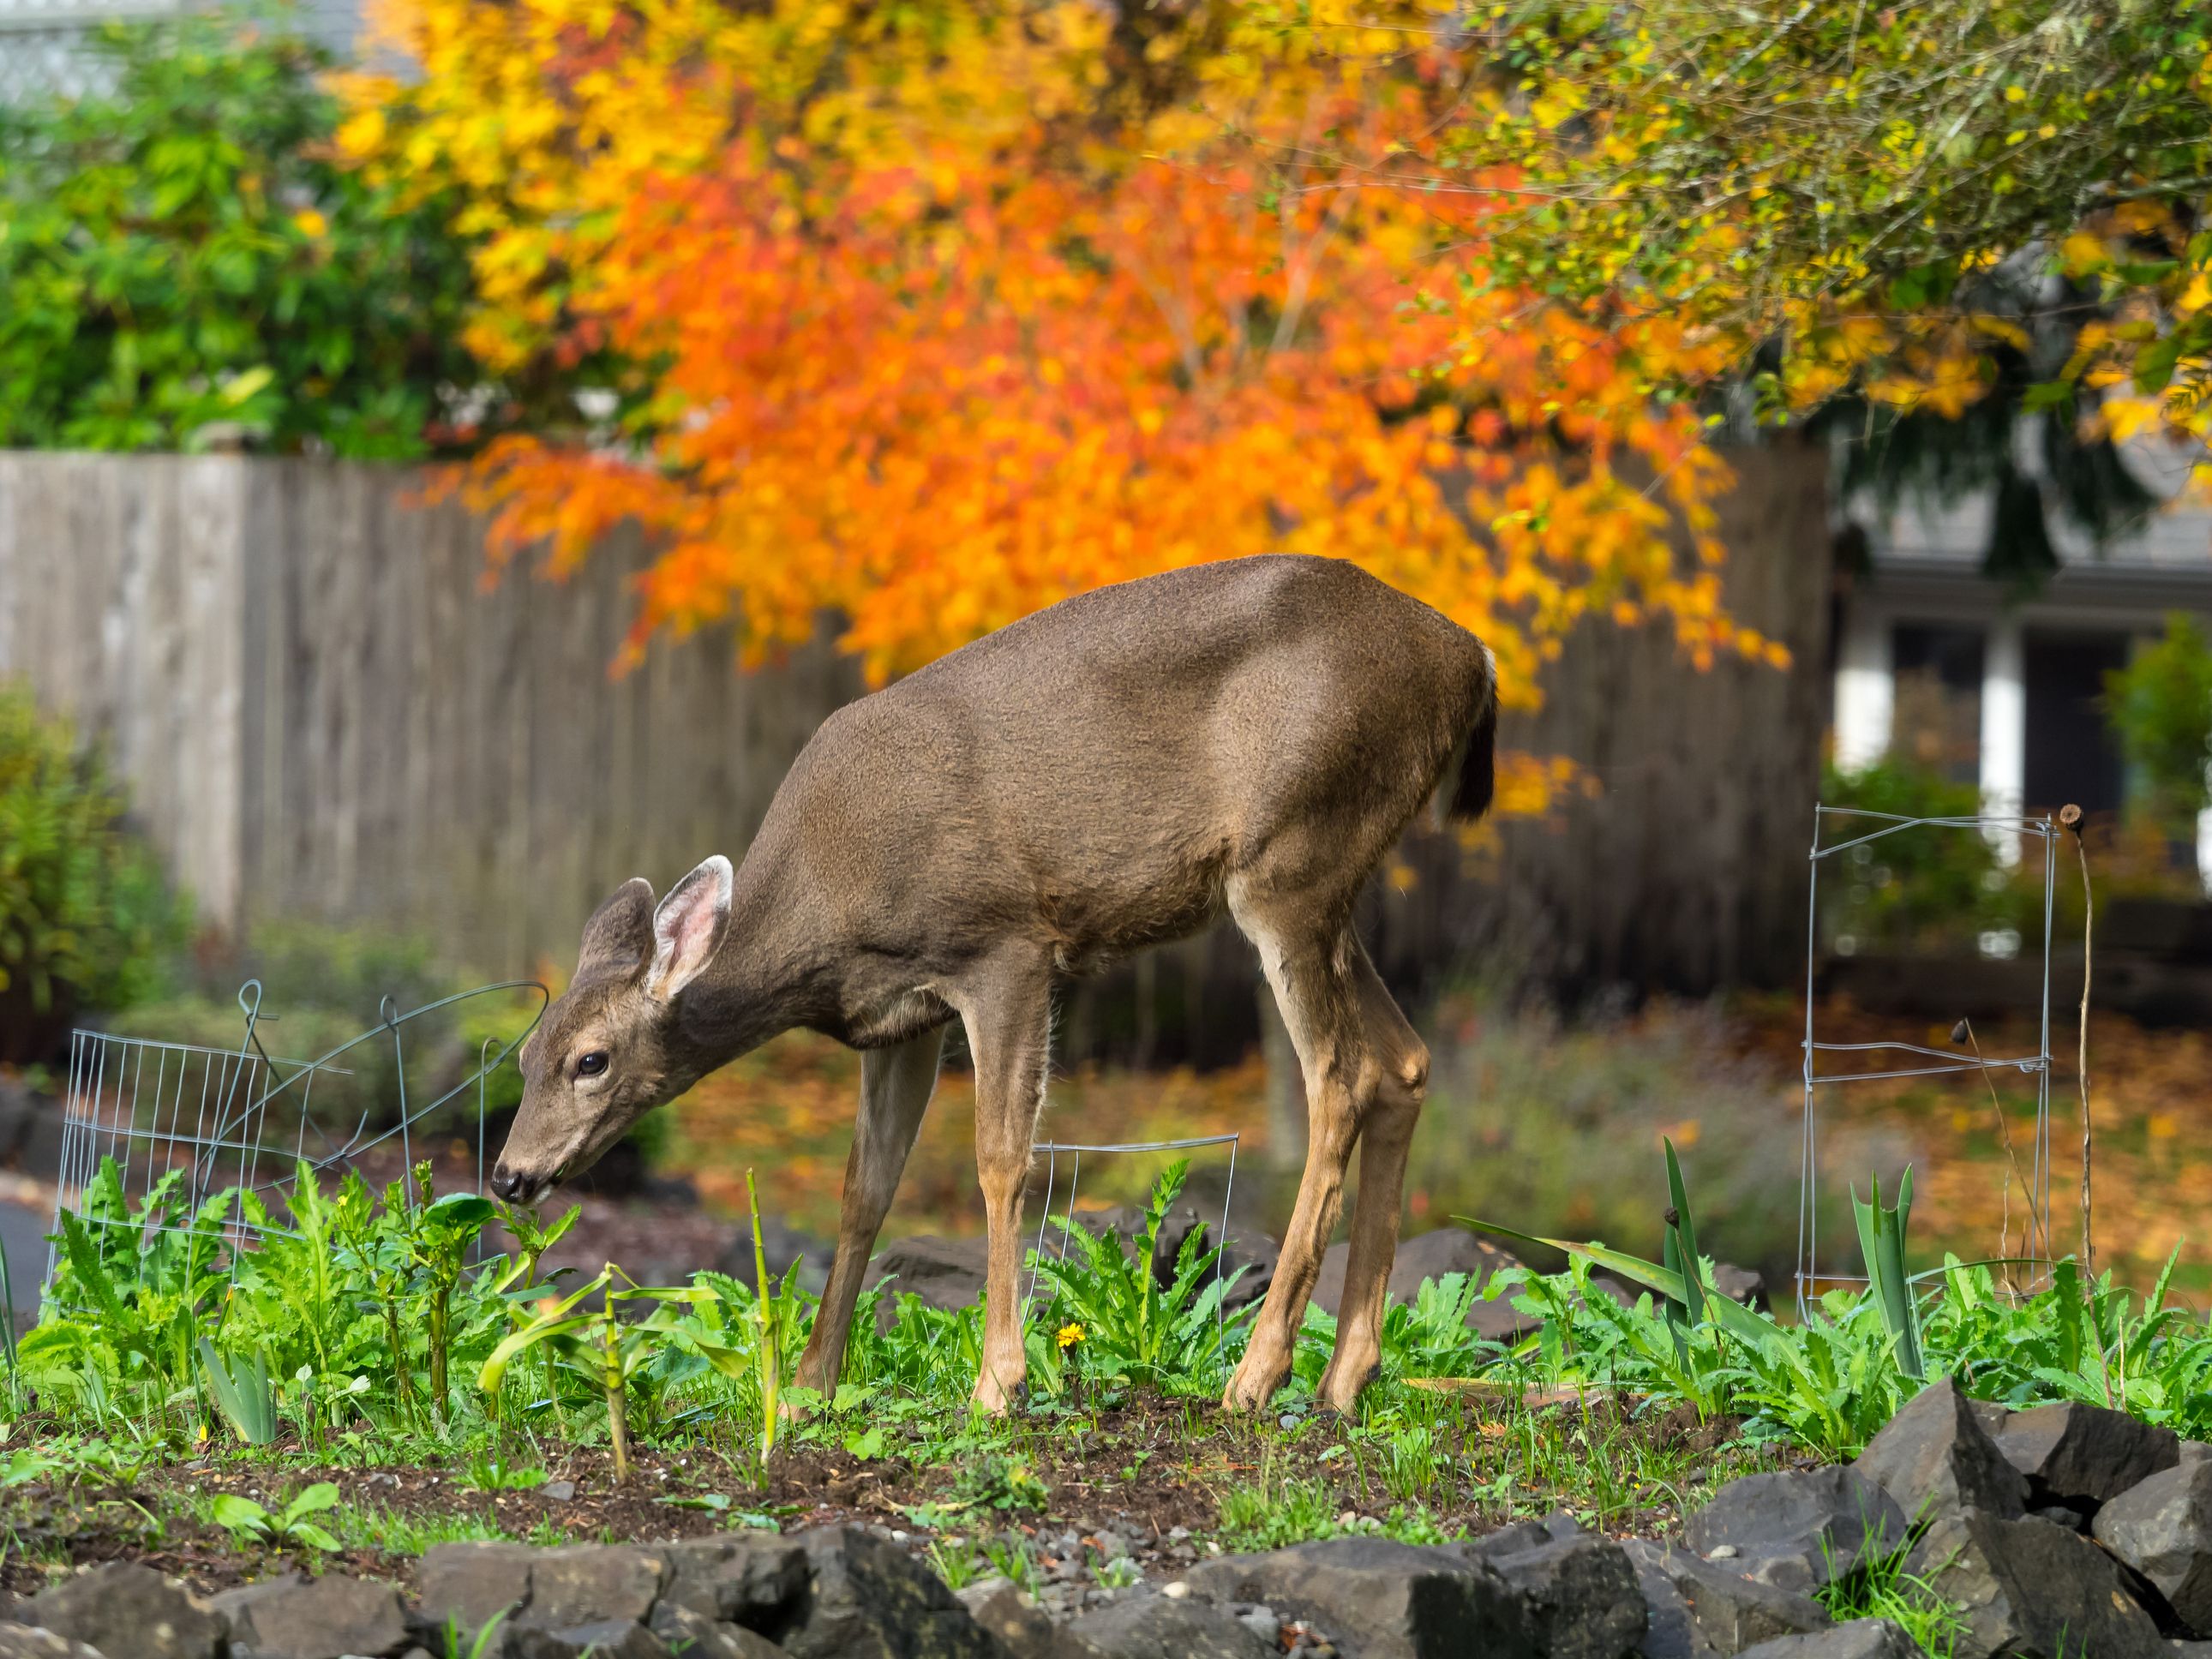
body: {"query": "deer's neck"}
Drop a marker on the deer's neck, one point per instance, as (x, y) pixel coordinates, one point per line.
(764, 980)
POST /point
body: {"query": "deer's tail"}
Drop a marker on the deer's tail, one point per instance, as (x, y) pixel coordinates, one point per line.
(1478, 762)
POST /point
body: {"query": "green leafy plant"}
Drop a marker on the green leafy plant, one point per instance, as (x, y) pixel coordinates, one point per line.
(444, 1231)
(87, 920)
(1128, 1326)
(188, 263)
(1881, 1247)
(245, 1398)
(289, 1528)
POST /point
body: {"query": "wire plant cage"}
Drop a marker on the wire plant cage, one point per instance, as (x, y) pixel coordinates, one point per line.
(184, 1122)
(1053, 1150)
(1839, 832)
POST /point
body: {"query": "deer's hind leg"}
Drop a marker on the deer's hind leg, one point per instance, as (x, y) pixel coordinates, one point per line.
(1312, 962)
(1396, 1080)
(895, 1084)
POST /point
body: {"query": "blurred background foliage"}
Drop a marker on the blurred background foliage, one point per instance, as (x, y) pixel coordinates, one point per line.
(88, 923)
(187, 264)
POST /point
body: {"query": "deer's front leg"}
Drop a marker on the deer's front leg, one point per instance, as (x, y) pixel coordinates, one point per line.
(1009, 1024)
(896, 1084)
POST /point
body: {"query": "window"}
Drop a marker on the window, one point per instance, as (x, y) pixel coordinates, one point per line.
(1937, 721)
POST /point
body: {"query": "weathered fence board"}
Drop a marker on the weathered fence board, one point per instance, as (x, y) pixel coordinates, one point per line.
(324, 709)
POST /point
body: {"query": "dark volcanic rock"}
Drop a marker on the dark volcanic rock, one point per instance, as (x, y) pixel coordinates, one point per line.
(1934, 1457)
(1800, 1528)
(333, 1617)
(1016, 1622)
(1669, 1633)
(1431, 1256)
(469, 1584)
(2031, 1589)
(697, 1636)
(123, 1609)
(1728, 1613)
(1858, 1638)
(29, 1642)
(606, 1638)
(1395, 1600)
(592, 1583)
(2078, 1455)
(1579, 1596)
(946, 1273)
(870, 1600)
(1161, 1627)
(2162, 1528)
(753, 1579)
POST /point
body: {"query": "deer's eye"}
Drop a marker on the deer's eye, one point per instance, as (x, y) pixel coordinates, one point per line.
(593, 1064)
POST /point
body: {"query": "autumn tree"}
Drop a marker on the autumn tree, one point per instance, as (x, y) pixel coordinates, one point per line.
(1924, 207)
(932, 316)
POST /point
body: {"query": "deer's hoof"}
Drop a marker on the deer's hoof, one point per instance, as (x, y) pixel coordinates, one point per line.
(992, 1398)
(1253, 1385)
(1341, 1386)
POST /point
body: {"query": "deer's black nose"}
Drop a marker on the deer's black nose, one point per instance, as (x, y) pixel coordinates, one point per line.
(506, 1183)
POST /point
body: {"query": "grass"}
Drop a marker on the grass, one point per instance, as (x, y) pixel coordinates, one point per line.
(1883, 1589)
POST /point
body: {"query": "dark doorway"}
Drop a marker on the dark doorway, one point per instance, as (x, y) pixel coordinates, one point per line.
(2071, 756)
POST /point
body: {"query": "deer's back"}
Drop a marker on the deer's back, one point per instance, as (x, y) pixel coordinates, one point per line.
(1098, 770)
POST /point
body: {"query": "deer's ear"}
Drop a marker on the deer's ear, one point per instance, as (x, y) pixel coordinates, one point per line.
(618, 938)
(688, 928)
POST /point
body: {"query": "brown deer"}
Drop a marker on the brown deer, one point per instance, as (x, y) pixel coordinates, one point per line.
(1106, 774)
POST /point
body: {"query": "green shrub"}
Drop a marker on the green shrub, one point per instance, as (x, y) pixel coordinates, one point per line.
(87, 920)
(184, 258)
(1917, 886)
(2160, 707)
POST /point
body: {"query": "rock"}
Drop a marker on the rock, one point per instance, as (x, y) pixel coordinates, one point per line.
(753, 1579)
(1401, 1600)
(1431, 1256)
(1858, 1638)
(783, 1245)
(2162, 1528)
(2059, 1515)
(946, 1273)
(1164, 1627)
(593, 1584)
(2078, 1455)
(870, 1600)
(2030, 1589)
(1669, 1630)
(1745, 1285)
(333, 1617)
(2194, 1451)
(469, 1584)
(1579, 1596)
(1798, 1529)
(123, 1608)
(604, 1639)
(696, 1636)
(1934, 1457)
(1726, 1613)
(28, 1642)
(1015, 1622)
(1510, 1539)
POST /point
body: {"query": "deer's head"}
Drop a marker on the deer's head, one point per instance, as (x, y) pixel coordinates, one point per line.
(611, 1048)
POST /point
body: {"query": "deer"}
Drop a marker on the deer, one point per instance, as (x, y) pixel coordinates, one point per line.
(1111, 773)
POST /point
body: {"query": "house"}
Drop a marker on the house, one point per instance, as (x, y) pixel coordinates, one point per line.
(1997, 687)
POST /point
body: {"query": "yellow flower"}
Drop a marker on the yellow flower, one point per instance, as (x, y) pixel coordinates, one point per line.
(311, 223)
(1070, 1335)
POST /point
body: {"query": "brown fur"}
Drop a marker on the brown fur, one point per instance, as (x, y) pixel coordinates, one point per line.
(1106, 774)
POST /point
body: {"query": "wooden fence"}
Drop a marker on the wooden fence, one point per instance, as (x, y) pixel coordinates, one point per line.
(325, 710)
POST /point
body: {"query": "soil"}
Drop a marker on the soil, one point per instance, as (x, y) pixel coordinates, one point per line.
(1151, 1471)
